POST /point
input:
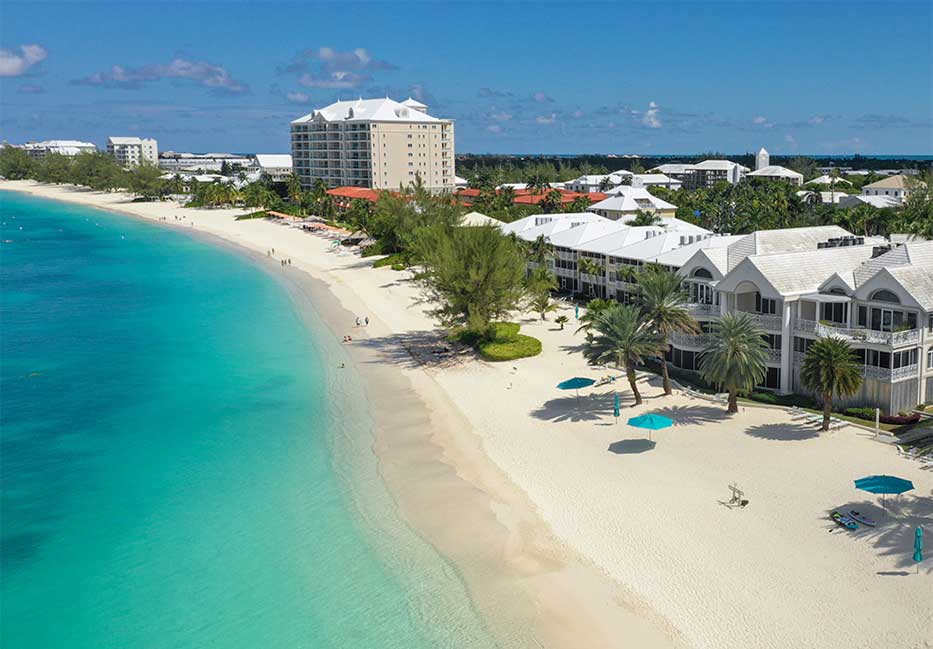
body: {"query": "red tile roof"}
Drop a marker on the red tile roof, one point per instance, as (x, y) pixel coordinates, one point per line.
(526, 198)
(351, 193)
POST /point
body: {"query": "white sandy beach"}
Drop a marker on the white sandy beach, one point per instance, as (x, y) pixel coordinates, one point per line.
(776, 574)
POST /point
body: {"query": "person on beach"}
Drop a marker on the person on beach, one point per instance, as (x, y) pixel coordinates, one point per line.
(367, 321)
(357, 321)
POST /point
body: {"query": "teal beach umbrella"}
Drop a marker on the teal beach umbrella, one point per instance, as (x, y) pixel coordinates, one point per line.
(651, 422)
(575, 383)
(616, 407)
(918, 545)
(884, 484)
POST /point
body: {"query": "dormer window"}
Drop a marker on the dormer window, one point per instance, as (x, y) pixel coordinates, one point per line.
(885, 296)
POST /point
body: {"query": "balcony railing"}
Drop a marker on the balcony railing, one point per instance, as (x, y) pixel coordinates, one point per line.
(773, 355)
(703, 309)
(887, 374)
(690, 340)
(766, 322)
(858, 335)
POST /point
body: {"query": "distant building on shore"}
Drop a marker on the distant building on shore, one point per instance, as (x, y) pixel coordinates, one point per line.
(175, 162)
(277, 166)
(133, 151)
(777, 172)
(374, 143)
(38, 150)
(704, 174)
(896, 187)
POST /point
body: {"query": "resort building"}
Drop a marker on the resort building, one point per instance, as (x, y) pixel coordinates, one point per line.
(828, 180)
(776, 172)
(625, 202)
(175, 162)
(133, 151)
(879, 202)
(599, 183)
(704, 174)
(38, 150)
(804, 283)
(277, 166)
(374, 143)
(655, 180)
(896, 187)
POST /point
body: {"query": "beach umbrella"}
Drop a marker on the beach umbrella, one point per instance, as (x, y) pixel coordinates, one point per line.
(651, 422)
(576, 311)
(918, 545)
(575, 383)
(616, 407)
(884, 484)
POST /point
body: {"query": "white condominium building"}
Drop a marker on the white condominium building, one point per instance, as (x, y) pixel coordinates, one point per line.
(39, 150)
(624, 202)
(175, 162)
(896, 187)
(375, 143)
(277, 166)
(704, 174)
(133, 151)
(801, 284)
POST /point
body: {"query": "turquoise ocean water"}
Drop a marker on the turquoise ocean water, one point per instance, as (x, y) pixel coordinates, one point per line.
(182, 464)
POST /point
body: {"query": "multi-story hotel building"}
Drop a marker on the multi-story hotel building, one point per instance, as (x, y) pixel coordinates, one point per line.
(797, 285)
(38, 150)
(375, 143)
(133, 151)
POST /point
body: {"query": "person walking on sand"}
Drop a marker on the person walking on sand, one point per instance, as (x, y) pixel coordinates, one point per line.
(367, 320)
(357, 321)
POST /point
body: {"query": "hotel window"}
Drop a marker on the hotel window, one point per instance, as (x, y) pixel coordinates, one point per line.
(930, 359)
(905, 358)
(930, 325)
(765, 305)
(863, 317)
(837, 312)
(773, 341)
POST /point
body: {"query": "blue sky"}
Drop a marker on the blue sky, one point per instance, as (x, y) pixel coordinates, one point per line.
(545, 77)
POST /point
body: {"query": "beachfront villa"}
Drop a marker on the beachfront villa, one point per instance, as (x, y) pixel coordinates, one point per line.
(804, 283)
(374, 143)
(133, 151)
(276, 166)
(797, 285)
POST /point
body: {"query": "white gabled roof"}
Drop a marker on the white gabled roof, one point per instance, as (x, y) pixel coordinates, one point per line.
(776, 171)
(721, 165)
(368, 110)
(892, 182)
(771, 242)
(574, 236)
(124, 140)
(274, 160)
(414, 103)
(475, 219)
(625, 199)
(531, 227)
(917, 281)
(654, 179)
(879, 202)
(679, 256)
(826, 179)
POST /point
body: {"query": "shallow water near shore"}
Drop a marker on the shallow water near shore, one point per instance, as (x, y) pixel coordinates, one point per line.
(182, 463)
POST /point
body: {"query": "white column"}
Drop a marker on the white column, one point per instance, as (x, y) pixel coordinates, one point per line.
(787, 346)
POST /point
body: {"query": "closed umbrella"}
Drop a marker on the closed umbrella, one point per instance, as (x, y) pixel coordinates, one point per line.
(884, 484)
(616, 407)
(918, 545)
(651, 422)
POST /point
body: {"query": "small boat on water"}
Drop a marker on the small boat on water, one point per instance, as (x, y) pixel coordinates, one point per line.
(861, 518)
(844, 521)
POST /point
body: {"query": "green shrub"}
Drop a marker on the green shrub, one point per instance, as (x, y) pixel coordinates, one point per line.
(372, 250)
(261, 214)
(798, 400)
(399, 267)
(520, 347)
(861, 413)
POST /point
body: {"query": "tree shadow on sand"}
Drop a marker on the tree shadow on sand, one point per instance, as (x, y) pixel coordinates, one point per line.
(424, 348)
(586, 408)
(783, 432)
(893, 536)
(691, 415)
(631, 446)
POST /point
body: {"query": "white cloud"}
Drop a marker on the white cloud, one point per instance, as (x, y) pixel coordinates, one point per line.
(341, 79)
(762, 121)
(500, 116)
(14, 65)
(816, 120)
(652, 117)
(541, 98)
(298, 97)
(215, 77)
(494, 128)
(546, 119)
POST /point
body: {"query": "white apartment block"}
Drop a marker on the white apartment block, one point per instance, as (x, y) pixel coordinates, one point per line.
(777, 172)
(38, 150)
(626, 202)
(174, 162)
(801, 284)
(133, 151)
(704, 174)
(375, 143)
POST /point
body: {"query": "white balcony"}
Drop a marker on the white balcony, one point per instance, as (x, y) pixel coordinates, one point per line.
(696, 309)
(887, 374)
(893, 339)
(773, 355)
(698, 341)
(766, 322)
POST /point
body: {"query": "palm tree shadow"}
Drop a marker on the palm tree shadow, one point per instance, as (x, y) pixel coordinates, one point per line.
(783, 432)
(691, 415)
(893, 536)
(571, 408)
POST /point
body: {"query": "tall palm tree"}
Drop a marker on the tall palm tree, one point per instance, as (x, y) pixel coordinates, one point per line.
(830, 368)
(540, 250)
(735, 357)
(664, 304)
(593, 308)
(605, 184)
(622, 337)
(552, 201)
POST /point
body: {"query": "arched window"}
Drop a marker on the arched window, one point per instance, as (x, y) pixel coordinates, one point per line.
(885, 296)
(702, 273)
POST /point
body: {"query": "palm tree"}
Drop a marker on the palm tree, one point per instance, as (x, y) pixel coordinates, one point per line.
(540, 250)
(605, 184)
(643, 218)
(622, 337)
(295, 193)
(830, 368)
(539, 285)
(536, 184)
(664, 305)
(593, 308)
(735, 357)
(552, 201)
